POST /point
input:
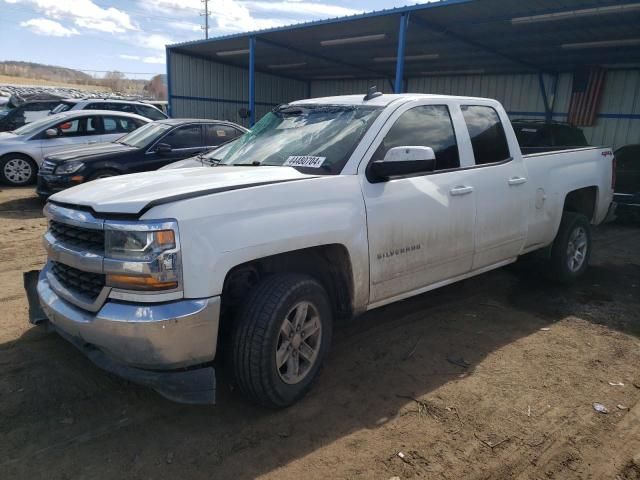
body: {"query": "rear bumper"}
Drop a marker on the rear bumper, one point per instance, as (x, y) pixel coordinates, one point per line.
(150, 344)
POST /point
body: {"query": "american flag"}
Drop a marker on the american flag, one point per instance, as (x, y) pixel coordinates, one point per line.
(585, 96)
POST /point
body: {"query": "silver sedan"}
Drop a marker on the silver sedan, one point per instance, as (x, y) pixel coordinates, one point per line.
(22, 151)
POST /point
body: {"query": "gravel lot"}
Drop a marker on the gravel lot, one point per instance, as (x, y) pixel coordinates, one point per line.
(494, 377)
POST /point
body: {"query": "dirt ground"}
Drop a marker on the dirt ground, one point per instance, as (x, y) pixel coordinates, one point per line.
(491, 378)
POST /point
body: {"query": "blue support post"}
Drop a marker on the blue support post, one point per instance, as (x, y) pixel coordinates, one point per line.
(402, 35)
(168, 61)
(545, 100)
(252, 81)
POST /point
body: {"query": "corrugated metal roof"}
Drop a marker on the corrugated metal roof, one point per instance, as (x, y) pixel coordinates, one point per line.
(454, 35)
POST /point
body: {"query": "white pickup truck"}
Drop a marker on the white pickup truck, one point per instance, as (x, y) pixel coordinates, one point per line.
(328, 208)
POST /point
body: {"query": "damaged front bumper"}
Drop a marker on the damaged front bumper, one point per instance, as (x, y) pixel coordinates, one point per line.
(166, 346)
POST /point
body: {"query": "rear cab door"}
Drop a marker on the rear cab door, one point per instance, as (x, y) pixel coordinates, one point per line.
(215, 134)
(421, 227)
(116, 126)
(500, 179)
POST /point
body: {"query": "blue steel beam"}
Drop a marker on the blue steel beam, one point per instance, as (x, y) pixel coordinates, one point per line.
(463, 39)
(321, 57)
(168, 62)
(548, 115)
(252, 81)
(402, 36)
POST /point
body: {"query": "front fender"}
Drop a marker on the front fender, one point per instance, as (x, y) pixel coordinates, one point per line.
(223, 230)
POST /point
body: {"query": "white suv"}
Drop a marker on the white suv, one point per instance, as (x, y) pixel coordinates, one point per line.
(128, 106)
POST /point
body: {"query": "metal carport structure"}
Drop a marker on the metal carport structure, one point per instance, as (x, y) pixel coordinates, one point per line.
(498, 48)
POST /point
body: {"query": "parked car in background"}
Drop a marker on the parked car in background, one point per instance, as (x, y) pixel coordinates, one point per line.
(541, 136)
(149, 148)
(26, 113)
(210, 158)
(129, 106)
(161, 105)
(627, 189)
(22, 150)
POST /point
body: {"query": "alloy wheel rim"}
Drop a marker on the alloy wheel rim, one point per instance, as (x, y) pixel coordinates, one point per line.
(577, 249)
(17, 170)
(299, 341)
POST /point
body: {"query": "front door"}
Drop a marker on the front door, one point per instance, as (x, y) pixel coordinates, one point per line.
(69, 133)
(421, 229)
(185, 141)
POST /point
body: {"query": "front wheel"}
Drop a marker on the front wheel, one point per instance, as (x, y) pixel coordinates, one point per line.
(17, 170)
(281, 338)
(571, 248)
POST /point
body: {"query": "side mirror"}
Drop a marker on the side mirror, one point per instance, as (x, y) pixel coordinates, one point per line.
(243, 113)
(401, 161)
(51, 132)
(163, 148)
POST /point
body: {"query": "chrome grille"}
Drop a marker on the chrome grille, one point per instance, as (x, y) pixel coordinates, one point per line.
(47, 167)
(85, 283)
(78, 237)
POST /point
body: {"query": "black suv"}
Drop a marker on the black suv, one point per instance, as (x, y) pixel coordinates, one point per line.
(150, 147)
(535, 136)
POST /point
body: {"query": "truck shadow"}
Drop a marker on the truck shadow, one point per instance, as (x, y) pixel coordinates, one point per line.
(58, 408)
(22, 208)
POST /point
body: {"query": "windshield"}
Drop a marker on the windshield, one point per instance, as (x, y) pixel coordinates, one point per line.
(314, 138)
(219, 152)
(36, 126)
(144, 135)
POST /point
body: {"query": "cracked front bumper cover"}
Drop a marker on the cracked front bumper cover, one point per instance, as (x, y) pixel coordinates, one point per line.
(168, 346)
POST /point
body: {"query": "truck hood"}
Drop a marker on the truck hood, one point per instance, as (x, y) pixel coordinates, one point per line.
(137, 193)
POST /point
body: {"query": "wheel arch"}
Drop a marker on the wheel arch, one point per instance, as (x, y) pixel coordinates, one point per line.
(329, 264)
(582, 200)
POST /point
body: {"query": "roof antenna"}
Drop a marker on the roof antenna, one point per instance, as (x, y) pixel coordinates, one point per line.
(372, 93)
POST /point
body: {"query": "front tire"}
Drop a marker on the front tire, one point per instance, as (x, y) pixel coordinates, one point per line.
(281, 338)
(571, 248)
(17, 170)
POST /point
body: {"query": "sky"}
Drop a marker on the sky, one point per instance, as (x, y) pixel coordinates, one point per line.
(130, 35)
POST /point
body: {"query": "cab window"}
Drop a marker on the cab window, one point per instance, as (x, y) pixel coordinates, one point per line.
(70, 128)
(218, 134)
(120, 125)
(424, 126)
(150, 112)
(188, 136)
(488, 139)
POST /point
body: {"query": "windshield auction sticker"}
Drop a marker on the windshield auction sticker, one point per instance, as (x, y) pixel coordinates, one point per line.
(308, 161)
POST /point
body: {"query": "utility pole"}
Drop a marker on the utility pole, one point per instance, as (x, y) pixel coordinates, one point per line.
(206, 18)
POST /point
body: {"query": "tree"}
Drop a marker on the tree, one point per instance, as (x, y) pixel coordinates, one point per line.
(114, 80)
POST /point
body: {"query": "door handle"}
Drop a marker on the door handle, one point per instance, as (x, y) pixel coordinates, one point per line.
(517, 180)
(461, 190)
(94, 141)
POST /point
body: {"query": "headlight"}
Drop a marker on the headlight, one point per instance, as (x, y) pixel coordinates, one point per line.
(70, 167)
(142, 259)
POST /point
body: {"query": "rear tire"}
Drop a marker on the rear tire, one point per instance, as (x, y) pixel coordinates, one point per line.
(571, 248)
(280, 339)
(18, 170)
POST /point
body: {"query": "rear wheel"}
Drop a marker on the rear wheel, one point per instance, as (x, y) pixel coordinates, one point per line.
(17, 170)
(281, 338)
(571, 248)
